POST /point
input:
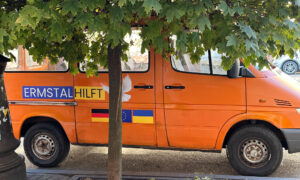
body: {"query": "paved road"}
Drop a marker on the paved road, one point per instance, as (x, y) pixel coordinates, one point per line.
(141, 160)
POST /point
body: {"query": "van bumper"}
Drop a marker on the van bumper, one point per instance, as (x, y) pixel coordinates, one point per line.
(292, 137)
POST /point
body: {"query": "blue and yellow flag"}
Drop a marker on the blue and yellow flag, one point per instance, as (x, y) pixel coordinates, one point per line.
(142, 116)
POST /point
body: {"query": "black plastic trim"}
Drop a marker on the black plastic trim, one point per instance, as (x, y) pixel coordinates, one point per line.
(292, 137)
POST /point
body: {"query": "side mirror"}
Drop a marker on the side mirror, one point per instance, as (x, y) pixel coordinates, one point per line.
(234, 72)
(244, 72)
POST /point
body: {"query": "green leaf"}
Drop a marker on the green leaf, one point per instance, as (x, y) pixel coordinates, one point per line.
(297, 2)
(200, 22)
(248, 30)
(97, 25)
(2, 34)
(92, 4)
(224, 7)
(123, 2)
(152, 4)
(72, 6)
(231, 41)
(250, 45)
(116, 14)
(57, 31)
(83, 20)
(181, 41)
(291, 24)
(173, 13)
(239, 10)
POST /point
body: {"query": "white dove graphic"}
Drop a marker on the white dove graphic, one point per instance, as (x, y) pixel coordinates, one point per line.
(126, 87)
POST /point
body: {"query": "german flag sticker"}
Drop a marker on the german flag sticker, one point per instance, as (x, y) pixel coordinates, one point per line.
(100, 115)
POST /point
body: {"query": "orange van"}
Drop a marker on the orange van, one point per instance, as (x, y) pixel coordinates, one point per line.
(167, 105)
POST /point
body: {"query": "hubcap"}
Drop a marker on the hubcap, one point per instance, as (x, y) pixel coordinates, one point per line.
(43, 146)
(290, 67)
(254, 152)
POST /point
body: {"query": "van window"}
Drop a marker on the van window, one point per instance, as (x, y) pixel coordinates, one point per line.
(137, 62)
(15, 65)
(28, 64)
(216, 60)
(182, 62)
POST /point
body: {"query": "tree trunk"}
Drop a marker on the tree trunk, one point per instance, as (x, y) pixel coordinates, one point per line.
(114, 164)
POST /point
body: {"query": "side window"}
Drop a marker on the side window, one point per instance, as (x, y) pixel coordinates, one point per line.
(182, 62)
(216, 60)
(24, 62)
(60, 66)
(15, 65)
(137, 62)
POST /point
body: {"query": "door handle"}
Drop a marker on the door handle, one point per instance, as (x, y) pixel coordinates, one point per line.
(144, 87)
(174, 87)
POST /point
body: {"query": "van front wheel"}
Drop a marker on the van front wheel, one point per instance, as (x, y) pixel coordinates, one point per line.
(46, 145)
(254, 151)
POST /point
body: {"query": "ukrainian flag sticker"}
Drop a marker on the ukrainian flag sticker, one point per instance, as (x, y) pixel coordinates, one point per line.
(142, 116)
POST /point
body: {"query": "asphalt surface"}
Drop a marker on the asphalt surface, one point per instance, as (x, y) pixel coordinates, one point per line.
(90, 158)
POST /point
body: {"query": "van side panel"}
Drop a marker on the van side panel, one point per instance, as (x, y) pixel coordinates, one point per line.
(64, 114)
(195, 114)
(274, 98)
(92, 114)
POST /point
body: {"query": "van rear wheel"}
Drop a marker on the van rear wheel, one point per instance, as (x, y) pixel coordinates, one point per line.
(46, 145)
(254, 151)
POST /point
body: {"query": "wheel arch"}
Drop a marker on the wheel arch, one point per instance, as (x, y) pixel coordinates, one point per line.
(29, 122)
(250, 122)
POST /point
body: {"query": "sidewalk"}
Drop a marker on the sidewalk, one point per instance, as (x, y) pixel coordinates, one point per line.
(93, 175)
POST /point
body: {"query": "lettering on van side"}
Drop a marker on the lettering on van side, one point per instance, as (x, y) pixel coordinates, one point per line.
(63, 92)
(48, 92)
(89, 93)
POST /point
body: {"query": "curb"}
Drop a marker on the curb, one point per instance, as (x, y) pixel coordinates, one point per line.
(99, 175)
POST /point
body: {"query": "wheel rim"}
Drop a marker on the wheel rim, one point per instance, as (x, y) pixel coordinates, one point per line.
(290, 67)
(254, 152)
(43, 146)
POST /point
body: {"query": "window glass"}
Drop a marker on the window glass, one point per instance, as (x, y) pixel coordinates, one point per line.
(137, 62)
(27, 64)
(31, 65)
(183, 63)
(14, 65)
(216, 60)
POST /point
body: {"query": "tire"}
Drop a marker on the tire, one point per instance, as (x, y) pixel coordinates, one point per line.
(46, 145)
(290, 67)
(254, 151)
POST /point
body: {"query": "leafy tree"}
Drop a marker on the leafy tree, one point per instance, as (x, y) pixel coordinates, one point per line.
(94, 30)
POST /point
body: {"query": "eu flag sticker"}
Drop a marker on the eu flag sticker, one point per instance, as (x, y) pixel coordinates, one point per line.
(126, 116)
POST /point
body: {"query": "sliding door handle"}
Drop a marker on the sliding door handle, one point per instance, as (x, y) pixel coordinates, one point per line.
(174, 87)
(144, 87)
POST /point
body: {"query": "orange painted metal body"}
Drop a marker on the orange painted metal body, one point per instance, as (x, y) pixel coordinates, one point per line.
(196, 117)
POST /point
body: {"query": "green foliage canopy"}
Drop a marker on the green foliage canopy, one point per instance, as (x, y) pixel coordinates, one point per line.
(83, 29)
